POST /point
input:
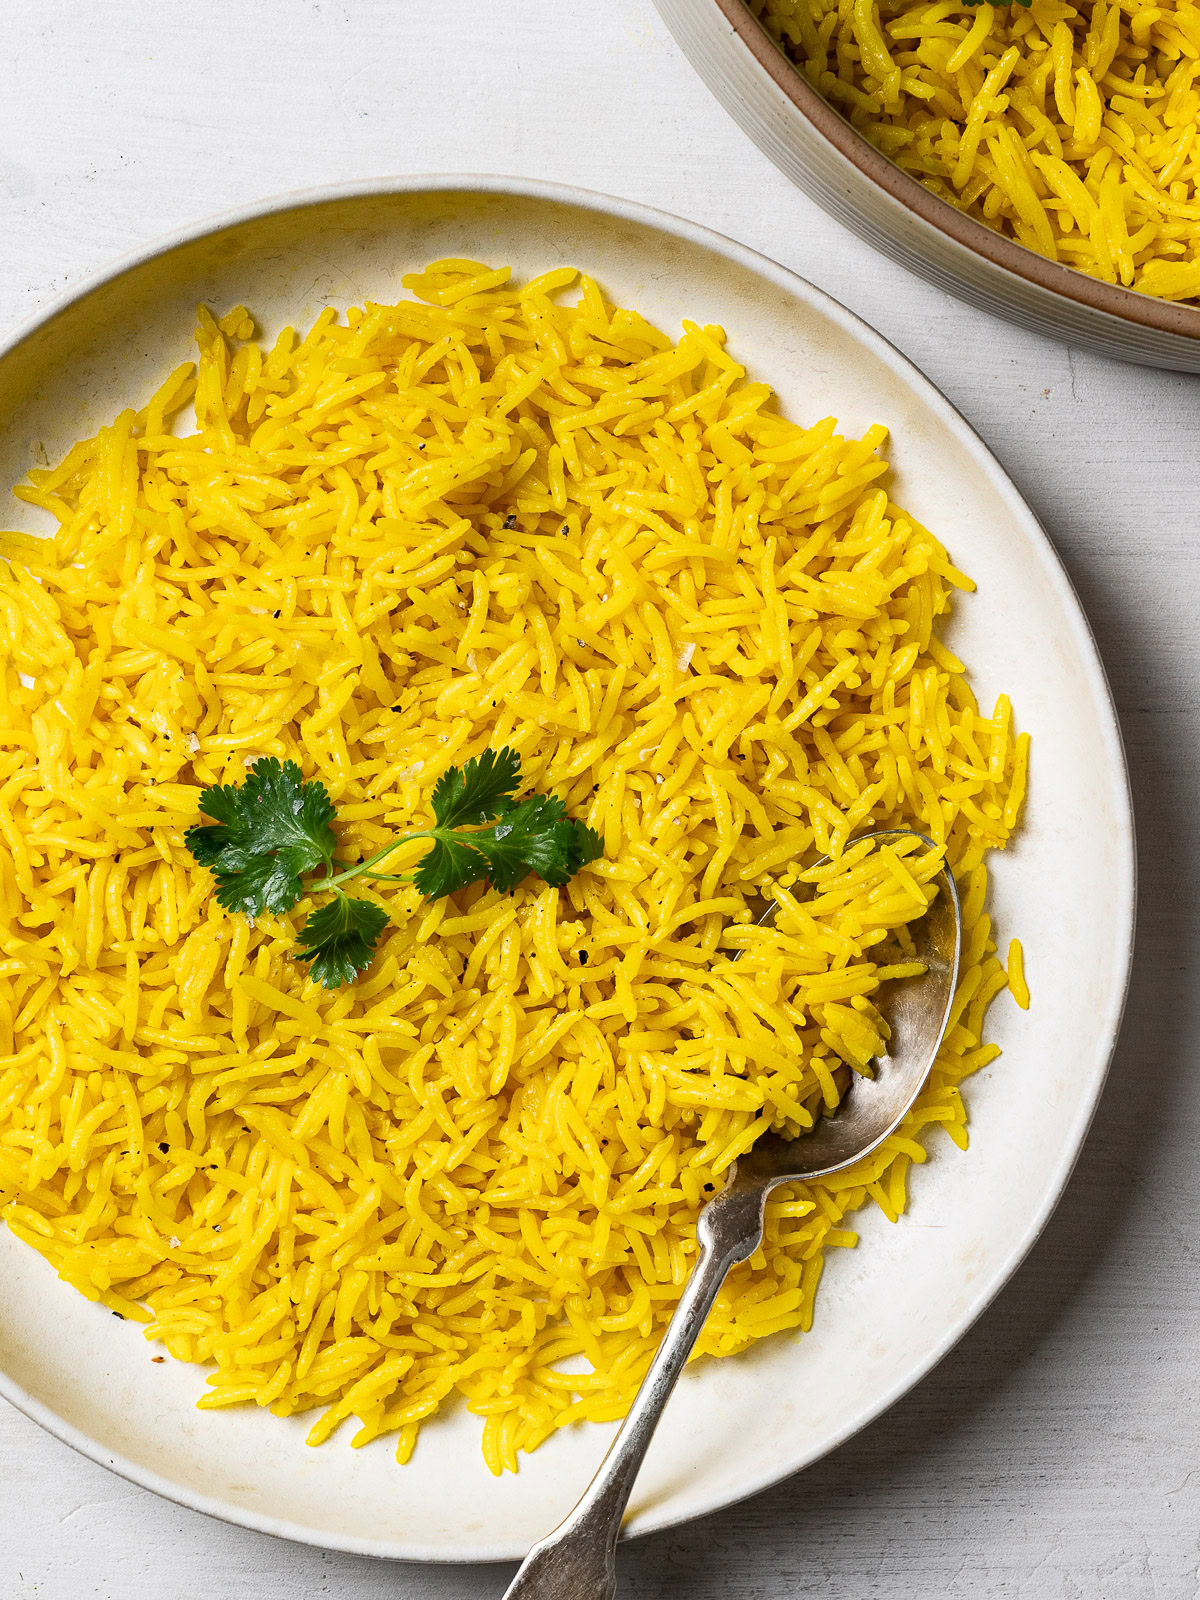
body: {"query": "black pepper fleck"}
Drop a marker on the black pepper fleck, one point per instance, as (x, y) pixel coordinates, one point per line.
(510, 522)
(163, 1146)
(583, 958)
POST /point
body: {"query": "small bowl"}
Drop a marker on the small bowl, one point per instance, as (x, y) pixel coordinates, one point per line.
(848, 177)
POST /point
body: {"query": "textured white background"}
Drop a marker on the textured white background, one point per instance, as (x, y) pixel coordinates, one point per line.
(1056, 1452)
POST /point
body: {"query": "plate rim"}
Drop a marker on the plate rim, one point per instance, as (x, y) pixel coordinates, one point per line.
(1125, 890)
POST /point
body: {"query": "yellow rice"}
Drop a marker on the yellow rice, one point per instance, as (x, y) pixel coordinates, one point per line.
(489, 518)
(1018, 988)
(1074, 129)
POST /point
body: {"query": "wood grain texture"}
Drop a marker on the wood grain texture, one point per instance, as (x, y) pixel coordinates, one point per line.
(1054, 1455)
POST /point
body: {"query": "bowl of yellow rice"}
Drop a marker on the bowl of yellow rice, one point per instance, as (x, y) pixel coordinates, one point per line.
(371, 492)
(1041, 159)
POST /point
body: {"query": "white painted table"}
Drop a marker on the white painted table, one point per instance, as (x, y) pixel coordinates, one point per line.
(1056, 1452)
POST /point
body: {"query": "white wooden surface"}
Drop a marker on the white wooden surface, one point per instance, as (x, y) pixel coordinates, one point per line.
(1056, 1452)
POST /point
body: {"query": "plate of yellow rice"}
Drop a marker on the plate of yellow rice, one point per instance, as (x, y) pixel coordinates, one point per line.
(360, 486)
(1040, 158)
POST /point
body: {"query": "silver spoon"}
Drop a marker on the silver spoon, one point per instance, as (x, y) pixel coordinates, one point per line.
(578, 1560)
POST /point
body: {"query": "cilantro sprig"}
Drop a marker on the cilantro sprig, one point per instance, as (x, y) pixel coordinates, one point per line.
(270, 832)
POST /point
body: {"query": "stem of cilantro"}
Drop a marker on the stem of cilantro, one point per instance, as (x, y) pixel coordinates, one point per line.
(331, 881)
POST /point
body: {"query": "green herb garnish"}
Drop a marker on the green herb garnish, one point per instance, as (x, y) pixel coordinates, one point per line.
(269, 831)
(339, 938)
(273, 829)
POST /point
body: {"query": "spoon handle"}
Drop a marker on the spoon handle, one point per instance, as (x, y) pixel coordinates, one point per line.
(578, 1560)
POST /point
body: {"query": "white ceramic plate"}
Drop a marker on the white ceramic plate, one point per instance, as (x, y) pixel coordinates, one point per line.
(886, 1312)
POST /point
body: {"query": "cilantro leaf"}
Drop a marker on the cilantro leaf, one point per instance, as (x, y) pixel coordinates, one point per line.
(257, 883)
(450, 865)
(530, 835)
(536, 836)
(476, 792)
(339, 939)
(584, 847)
(268, 832)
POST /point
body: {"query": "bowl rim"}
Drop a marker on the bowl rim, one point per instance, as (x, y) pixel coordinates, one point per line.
(1175, 317)
(1123, 924)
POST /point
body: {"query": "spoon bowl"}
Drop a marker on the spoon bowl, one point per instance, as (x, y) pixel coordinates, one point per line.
(917, 1010)
(578, 1559)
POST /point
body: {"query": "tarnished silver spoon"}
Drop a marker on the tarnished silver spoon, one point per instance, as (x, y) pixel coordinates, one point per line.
(578, 1560)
